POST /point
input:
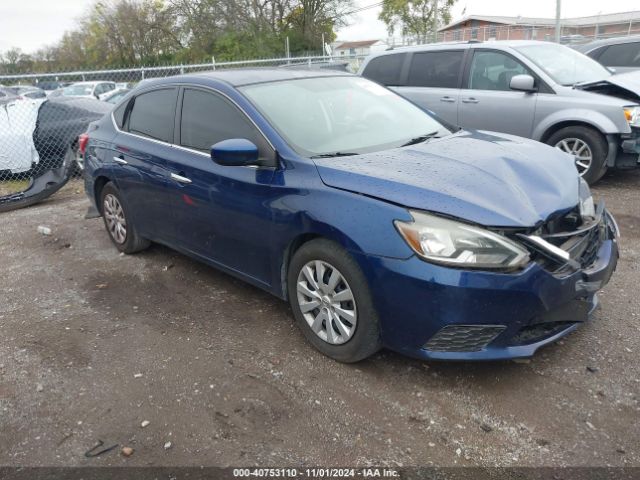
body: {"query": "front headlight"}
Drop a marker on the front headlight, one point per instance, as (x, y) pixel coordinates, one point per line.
(452, 243)
(632, 114)
(587, 206)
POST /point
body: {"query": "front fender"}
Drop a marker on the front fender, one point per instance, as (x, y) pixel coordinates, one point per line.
(597, 120)
(360, 224)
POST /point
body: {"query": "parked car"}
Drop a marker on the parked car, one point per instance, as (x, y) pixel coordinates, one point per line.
(114, 96)
(7, 96)
(88, 89)
(621, 54)
(28, 91)
(538, 90)
(51, 85)
(381, 226)
(39, 141)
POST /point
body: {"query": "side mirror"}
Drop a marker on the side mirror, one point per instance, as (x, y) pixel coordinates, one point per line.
(612, 70)
(523, 83)
(235, 152)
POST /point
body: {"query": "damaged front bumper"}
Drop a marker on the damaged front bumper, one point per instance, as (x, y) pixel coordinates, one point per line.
(40, 187)
(432, 312)
(624, 150)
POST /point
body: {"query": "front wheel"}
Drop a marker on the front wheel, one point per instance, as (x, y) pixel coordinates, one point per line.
(331, 302)
(588, 147)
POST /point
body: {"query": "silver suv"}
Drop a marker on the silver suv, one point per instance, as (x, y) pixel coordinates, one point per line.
(539, 90)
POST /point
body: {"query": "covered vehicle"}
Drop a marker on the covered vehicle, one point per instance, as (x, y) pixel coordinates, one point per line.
(39, 143)
(380, 225)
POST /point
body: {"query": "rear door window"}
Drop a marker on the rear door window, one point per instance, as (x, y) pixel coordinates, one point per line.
(436, 69)
(623, 55)
(153, 114)
(385, 69)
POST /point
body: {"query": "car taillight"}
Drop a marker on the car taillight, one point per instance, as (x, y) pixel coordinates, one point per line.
(83, 139)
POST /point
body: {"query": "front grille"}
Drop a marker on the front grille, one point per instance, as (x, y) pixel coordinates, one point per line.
(567, 233)
(463, 338)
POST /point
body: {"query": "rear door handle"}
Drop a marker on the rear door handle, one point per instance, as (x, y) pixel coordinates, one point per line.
(180, 178)
(470, 100)
(448, 99)
(120, 160)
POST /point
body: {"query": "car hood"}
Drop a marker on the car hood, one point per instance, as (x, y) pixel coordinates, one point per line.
(622, 85)
(486, 178)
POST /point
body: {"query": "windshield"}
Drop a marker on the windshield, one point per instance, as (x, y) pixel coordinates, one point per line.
(563, 64)
(346, 115)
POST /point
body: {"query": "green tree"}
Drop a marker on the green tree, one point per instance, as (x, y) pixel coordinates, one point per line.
(415, 18)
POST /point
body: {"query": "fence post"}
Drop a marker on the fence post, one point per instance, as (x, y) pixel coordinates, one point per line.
(141, 73)
(630, 23)
(181, 69)
(213, 62)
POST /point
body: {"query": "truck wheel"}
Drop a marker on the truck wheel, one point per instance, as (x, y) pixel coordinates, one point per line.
(589, 148)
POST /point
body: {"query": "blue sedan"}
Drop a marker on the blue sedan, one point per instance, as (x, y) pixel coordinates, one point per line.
(381, 225)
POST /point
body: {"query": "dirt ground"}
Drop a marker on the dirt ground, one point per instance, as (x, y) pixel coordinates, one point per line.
(93, 344)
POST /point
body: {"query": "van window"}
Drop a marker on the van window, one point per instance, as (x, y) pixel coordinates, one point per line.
(436, 69)
(494, 71)
(623, 55)
(153, 114)
(385, 69)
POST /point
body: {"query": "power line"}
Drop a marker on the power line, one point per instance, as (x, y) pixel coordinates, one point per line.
(366, 7)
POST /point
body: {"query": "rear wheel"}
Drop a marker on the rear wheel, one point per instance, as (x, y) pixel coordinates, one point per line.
(118, 222)
(331, 302)
(588, 147)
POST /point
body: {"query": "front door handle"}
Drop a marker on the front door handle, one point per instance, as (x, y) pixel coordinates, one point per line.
(120, 160)
(470, 100)
(180, 178)
(447, 99)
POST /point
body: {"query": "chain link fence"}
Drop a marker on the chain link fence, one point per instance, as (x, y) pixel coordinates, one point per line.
(569, 35)
(42, 115)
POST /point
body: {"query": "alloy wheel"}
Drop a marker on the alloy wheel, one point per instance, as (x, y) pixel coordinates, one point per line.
(327, 302)
(580, 150)
(114, 217)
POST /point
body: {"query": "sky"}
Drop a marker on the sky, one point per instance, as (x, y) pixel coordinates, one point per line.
(31, 24)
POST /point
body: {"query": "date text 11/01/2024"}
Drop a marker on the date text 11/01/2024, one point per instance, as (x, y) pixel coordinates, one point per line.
(316, 472)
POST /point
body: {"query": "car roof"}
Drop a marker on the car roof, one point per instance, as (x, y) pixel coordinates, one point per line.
(246, 76)
(494, 44)
(587, 47)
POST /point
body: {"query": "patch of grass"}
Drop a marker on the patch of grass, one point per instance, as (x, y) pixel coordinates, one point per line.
(9, 187)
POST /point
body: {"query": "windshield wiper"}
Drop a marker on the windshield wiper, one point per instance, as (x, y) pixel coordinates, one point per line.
(334, 154)
(420, 139)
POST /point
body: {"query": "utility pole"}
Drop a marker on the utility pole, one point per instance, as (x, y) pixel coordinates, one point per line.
(558, 26)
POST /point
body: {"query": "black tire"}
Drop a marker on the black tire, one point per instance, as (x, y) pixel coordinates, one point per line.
(132, 241)
(365, 340)
(595, 141)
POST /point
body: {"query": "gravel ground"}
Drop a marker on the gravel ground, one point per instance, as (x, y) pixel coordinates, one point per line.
(94, 343)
